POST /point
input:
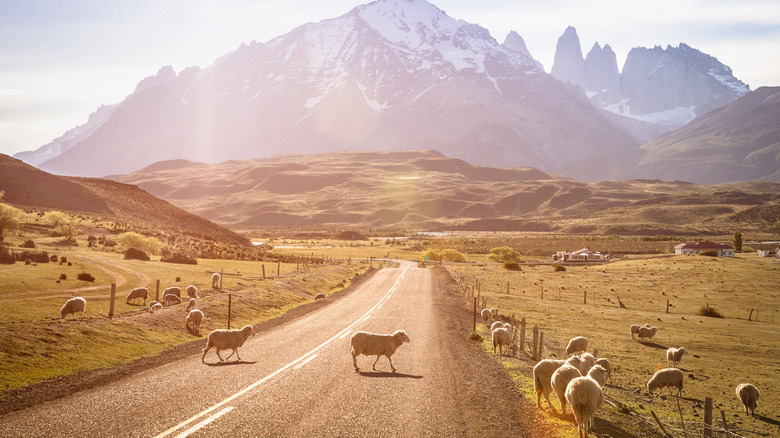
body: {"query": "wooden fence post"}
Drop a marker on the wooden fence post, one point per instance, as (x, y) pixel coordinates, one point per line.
(585, 297)
(278, 268)
(475, 314)
(263, 272)
(541, 343)
(230, 307)
(221, 276)
(708, 416)
(536, 339)
(111, 306)
(507, 288)
(667, 306)
(541, 287)
(522, 334)
(157, 294)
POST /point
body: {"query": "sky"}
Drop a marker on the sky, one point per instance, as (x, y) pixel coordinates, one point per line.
(62, 59)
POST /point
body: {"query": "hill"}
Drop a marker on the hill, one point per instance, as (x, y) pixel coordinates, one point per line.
(28, 187)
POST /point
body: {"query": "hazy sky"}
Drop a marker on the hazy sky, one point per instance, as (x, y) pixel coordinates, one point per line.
(61, 59)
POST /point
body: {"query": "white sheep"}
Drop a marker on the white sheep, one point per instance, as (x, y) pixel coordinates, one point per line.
(585, 397)
(215, 277)
(154, 305)
(560, 380)
(73, 305)
(171, 299)
(192, 291)
(588, 360)
(222, 339)
(372, 344)
(635, 329)
(667, 377)
(578, 363)
(487, 315)
(647, 332)
(194, 317)
(748, 395)
(319, 297)
(501, 337)
(174, 290)
(606, 364)
(674, 356)
(191, 304)
(495, 325)
(139, 292)
(543, 372)
(577, 345)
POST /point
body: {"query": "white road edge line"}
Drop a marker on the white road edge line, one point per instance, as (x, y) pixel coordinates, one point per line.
(204, 423)
(280, 370)
(305, 361)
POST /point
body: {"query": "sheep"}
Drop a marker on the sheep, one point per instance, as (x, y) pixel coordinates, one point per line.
(588, 360)
(319, 297)
(487, 315)
(495, 325)
(372, 344)
(674, 356)
(191, 304)
(500, 337)
(222, 339)
(578, 363)
(671, 377)
(635, 329)
(154, 305)
(560, 380)
(576, 345)
(647, 332)
(606, 364)
(139, 292)
(195, 317)
(215, 277)
(543, 372)
(174, 290)
(171, 299)
(74, 305)
(585, 397)
(748, 394)
(192, 291)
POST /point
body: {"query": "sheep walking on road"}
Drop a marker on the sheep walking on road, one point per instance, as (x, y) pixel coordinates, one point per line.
(194, 318)
(215, 277)
(73, 305)
(543, 372)
(577, 345)
(372, 344)
(667, 377)
(192, 291)
(222, 339)
(560, 381)
(674, 356)
(139, 292)
(585, 397)
(748, 395)
(501, 337)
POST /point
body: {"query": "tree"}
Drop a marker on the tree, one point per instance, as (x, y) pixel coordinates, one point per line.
(503, 254)
(10, 220)
(63, 224)
(149, 245)
(737, 241)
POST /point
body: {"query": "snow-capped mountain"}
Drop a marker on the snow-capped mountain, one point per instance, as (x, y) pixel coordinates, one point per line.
(388, 75)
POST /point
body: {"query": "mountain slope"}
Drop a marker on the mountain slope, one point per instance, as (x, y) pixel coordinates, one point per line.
(389, 75)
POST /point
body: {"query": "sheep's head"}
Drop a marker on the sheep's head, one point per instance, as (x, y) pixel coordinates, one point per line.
(401, 335)
(599, 374)
(248, 331)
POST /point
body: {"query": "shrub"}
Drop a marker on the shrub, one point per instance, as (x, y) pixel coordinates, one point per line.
(450, 255)
(709, 253)
(180, 258)
(710, 311)
(28, 244)
(474, 336)
(512, 266)
(559, 268)
(63, 276)
(34, 256)
(136, 254)
(63, 259)
(503, 254)
(85, 276)
(27, 262)
(53, 258)
(6, 257)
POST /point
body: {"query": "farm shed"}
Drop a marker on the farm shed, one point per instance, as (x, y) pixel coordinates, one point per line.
(722, 249)
(581, 255)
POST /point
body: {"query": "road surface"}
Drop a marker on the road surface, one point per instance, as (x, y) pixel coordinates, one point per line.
(297, 379)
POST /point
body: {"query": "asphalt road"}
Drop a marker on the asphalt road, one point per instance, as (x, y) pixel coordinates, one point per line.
(297, 379)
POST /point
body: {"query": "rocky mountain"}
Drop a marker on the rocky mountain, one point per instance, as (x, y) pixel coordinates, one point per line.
(665, 87)
(389, 75)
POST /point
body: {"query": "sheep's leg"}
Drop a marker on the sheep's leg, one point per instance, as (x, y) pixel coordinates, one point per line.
(373, 367)
(549, 404)
(237, 356)
(231, 354)
(220, 357)
(354, 361)
(391, 363)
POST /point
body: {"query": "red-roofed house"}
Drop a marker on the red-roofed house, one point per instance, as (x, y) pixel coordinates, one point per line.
(581, 255)
(722, 249)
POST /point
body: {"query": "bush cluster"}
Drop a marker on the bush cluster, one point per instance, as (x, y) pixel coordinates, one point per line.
(6, 257)
(34, 256)
(136, 254)
(559, 268)
(180, 258)
(85, 276)
(28, 244)
(710, 311)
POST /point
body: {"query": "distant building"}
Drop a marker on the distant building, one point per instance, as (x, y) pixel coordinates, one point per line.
(722, 249)
(582, 255)
(769, 253)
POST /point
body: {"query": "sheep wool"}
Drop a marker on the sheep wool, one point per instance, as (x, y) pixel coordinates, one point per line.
(174, 290)
(193, 320)
(606, 364)
(674, 356)
(501, 337)
(171, 299)
(191, 304)
(222, 339)
(578, 363)
(73, 305)
(585, 397)
(154, 305)
(647, 332)
(215, 277)
(495, 325)
(319, 297)
(372, 344)
(543, 372)
(192, 291)
(560, 380)
(635, 329)
(748, 395)
(139, 292)
(667, 377)
(487, 315)
(577, 345)
(588, 359)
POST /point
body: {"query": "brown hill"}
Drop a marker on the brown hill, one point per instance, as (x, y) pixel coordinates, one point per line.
(26, 186)
(426, 190)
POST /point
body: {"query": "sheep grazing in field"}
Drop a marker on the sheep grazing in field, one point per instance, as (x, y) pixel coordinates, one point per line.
(190, 304)
(193, 320)
(578, 363)
(174, 290)
(543, 372)
(667, 377)
(171, 299)
(154, 305)
(647, 332)
(560, 380)
(577, 345)
(585, 397)
(635, 329)
(215, 277)
(606, 364)
(73, 305)
(588, 360)
(501, 338)
(372, 344)
(222, 339)
(139, 292)
(674, 356)
(748, 395)
(192, 291)
(319, 297)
